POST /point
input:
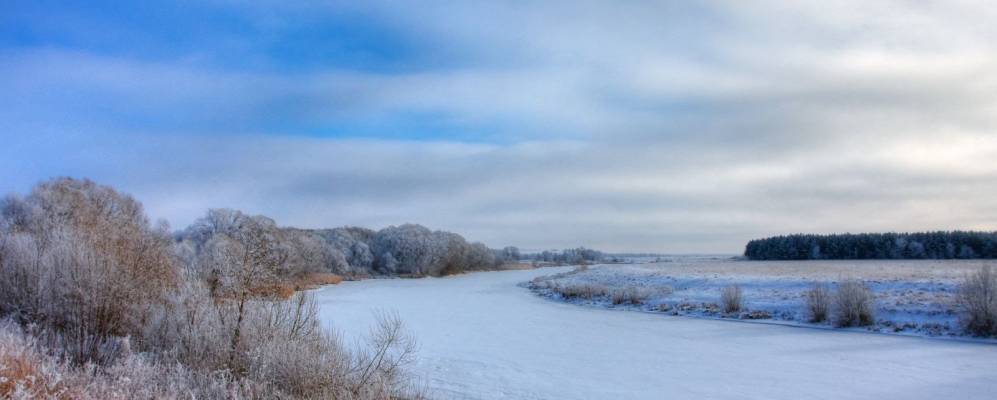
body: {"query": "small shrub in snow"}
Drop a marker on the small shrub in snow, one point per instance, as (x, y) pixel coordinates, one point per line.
(732, 299)
(818, 302)
(629, 295)
(581, 291)
(977, 298)
(853, 304)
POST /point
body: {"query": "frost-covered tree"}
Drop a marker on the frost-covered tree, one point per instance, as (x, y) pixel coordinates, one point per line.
(83, 257)
(351, 242)
(510, 254)
(480, 257)
(243, 264)
(412, 246)
(413, 249)
(580, 255)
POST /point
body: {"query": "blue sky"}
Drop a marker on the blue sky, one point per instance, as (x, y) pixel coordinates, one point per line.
(646, 126)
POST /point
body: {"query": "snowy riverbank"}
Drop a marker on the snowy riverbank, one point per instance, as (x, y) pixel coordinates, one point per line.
(911, 297)
(482, 336)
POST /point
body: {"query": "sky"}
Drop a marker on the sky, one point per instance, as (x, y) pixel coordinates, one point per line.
(659, 126)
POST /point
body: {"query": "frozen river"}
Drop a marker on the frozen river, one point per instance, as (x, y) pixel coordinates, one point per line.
(483, 337)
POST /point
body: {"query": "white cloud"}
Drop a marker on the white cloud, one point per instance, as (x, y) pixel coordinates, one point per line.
(645, 126)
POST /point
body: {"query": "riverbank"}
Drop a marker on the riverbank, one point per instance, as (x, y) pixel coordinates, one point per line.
(910, 297)
(482, 336)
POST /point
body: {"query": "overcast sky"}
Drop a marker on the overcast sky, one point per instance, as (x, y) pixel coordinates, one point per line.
(644, 126)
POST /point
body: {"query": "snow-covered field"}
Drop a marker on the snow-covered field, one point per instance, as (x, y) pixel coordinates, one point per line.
(911, 296)
(484, 336)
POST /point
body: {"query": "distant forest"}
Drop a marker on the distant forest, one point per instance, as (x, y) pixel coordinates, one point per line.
(578, 255)
(848, 246)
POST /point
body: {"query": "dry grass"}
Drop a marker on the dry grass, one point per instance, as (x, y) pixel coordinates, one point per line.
(630, 295)
(580, 291)
(30, 369)
(977, 298)
(23, 371)
(516, 266)
(732, 299)
(853, 304)
(316, 279)
(818, 302)
(286, 290)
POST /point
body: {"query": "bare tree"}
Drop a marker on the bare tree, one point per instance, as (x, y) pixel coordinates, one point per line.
(389, 349)
(247, 264)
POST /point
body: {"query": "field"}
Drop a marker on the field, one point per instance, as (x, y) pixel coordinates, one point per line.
(910, 296)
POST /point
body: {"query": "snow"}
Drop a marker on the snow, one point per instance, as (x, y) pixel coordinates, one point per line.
(912, 297)
(483, 336)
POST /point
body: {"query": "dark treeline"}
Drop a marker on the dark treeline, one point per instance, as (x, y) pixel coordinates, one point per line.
(922, 245)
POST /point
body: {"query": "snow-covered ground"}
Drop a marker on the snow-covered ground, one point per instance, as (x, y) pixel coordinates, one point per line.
(484, 336)
(914, 297)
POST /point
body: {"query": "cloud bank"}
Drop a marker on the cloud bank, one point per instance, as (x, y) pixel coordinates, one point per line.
(646, 126)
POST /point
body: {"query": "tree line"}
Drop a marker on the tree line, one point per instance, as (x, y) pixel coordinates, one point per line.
(918, 245)
(408, 249)
(580, 255)
(103, 303)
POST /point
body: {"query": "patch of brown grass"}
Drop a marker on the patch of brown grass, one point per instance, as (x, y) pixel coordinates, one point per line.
(316, 279)
(515, 266)
(356, 276)
(16, 369)
(284, 290)
(24, 371)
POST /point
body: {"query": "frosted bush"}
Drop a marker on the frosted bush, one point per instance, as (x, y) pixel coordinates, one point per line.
(630, 295)
(732, 299)
(853, 304)
(818, 302)
(977, 297)
(585, 291)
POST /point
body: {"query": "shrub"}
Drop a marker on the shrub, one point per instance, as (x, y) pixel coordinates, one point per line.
(585, 291)
(629, 295)
(25, 371)
(732, 299)
(82, 258)
(977, 297)
(31, 368)
(853, 304)
(818, 302)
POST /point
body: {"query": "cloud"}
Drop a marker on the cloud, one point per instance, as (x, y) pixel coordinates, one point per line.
(688, 127)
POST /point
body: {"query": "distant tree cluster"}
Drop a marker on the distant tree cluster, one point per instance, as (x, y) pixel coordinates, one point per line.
(406, 249)
(924, 245)
(509, 254)
(579, 255)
